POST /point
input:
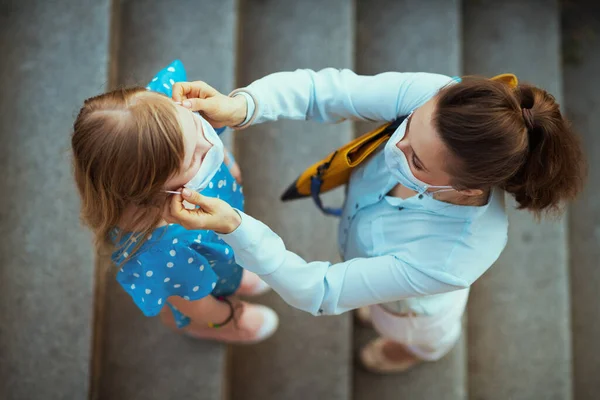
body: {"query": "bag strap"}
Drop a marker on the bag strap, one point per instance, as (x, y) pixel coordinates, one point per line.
(316, 181)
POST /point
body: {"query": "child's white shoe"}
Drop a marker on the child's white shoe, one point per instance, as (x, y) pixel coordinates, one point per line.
(252, 323)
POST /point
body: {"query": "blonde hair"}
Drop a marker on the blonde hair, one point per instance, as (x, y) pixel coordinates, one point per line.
(126, 144)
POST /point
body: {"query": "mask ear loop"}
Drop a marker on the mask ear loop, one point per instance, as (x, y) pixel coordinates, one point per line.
(442, 190)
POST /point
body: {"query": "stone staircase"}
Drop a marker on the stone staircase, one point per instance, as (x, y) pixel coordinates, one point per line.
(67, 331)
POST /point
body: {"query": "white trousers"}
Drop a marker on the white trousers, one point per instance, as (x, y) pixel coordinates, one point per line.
(428, 337)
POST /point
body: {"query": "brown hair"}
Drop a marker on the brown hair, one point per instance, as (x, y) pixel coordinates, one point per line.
(515, 139)
(126, 144)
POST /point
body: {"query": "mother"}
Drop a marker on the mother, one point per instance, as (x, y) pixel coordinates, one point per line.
(424, 217)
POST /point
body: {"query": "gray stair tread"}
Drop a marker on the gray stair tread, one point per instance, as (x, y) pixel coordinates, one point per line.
(203, 38)
(582, 62)
(408, 36)
(46, 256)
(141, 358)
(309, 357)
(145, 360)
(519, 338)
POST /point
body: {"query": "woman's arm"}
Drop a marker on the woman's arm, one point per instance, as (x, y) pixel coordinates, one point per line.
(320, 287)
(333, 95)
(329, 95)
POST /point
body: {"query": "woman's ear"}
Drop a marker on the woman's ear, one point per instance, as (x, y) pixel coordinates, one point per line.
(471, 192)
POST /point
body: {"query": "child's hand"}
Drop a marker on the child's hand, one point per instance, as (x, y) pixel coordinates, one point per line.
(218, 109)
(213, 214)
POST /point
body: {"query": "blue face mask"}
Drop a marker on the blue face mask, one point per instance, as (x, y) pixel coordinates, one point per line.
(398, 165)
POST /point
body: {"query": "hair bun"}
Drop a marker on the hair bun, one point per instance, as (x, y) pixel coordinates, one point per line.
(528, 117)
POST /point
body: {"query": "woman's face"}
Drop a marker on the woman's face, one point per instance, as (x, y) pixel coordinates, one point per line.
(195, 146)
(426, 153)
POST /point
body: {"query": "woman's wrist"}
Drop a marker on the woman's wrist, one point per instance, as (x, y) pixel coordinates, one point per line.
(231, 223)
(241, 109)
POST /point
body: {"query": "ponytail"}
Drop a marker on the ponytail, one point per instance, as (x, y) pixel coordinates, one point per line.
(553, 170)
(515, 139)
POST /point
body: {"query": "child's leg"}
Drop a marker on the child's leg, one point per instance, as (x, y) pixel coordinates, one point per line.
(251, 285)
(251, 323)
(203, 311)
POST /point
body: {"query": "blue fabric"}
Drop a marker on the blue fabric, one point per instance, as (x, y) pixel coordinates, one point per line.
(174, 261)
(177, 262)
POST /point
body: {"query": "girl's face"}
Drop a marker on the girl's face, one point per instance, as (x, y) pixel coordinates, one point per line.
(195, 146)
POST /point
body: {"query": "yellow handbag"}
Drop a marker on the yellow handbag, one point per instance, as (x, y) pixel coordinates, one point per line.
(335, 169)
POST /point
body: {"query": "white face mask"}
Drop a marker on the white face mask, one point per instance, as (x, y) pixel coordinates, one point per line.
(212, 161)
(398, 165)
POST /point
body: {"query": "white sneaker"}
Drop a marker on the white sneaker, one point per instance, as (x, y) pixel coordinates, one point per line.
(252, 323)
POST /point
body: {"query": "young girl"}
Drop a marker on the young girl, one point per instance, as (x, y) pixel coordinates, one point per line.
(131, 147)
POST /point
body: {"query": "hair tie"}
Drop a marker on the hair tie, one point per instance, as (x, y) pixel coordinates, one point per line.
(528, 117)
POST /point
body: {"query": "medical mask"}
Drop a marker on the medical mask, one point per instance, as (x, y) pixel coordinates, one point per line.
(398, 165)
(212, 161)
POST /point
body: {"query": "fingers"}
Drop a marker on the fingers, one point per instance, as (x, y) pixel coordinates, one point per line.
(198, 104)
(197, 89)
(213, 214)
(179, 214)
(180, 90)
(195, 198)
(175, 207)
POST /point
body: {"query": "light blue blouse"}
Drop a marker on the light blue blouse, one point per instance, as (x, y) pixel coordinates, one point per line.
(418, 250)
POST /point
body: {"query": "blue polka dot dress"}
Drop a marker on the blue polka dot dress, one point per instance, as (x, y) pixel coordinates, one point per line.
(173, 261)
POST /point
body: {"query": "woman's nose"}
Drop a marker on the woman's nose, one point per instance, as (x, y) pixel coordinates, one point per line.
(404, 146)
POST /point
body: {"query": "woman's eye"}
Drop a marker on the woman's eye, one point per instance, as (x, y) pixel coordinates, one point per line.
(416, 164)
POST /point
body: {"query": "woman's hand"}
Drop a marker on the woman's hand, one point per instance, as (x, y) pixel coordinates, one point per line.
(218, 109)
(213, 214)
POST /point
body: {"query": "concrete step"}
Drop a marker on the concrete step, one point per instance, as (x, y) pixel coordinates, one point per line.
(141, 358)
(409, 35)
(309, 357)
(581, 55)
(519, 325)
(46, 256)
